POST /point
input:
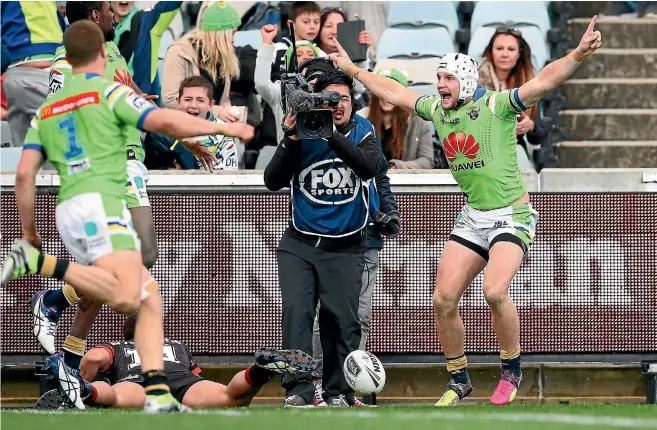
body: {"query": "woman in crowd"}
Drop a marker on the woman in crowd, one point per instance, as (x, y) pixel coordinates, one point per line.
(208, 51)
(329, 19)
(507, 64)
(406, 138)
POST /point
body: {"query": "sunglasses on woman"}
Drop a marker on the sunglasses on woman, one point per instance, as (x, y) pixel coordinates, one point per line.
(503, 29)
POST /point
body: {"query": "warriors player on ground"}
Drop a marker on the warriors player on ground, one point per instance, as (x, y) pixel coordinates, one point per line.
(82, 131)
(496, 227)
(117, 366)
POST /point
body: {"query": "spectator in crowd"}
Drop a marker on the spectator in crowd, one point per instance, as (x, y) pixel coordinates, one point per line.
(321, 254)
(31, 32)
(406, 139)
(211, 152)
(271, 91)
(507, 64)
(209, 51)
(329, 20)
(305, 17)
(376, 14)
(138, 34)
(328, 30)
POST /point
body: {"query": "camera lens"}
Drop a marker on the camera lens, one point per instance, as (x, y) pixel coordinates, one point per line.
(314, 123)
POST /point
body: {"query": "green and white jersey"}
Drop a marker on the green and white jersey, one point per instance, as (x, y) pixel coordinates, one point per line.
(82, 131)
(116, 70)
(479, 141)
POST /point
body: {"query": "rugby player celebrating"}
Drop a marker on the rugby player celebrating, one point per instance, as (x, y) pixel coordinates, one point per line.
(496, 227)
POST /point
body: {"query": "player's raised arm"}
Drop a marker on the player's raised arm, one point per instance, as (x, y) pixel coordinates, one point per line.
(384, 88)
(555, 73)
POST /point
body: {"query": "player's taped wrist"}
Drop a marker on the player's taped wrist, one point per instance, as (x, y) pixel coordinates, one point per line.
(577, 56)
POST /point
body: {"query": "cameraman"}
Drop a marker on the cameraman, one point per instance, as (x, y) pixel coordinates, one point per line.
(321, 255)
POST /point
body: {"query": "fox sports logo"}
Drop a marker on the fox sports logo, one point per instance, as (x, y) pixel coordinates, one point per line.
(329, 182)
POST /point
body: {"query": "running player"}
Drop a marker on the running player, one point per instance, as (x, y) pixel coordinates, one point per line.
(118, 364)
(82, 131)
(496, 227)
(45, 315)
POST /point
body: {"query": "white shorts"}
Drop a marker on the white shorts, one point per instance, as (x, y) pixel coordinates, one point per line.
(92, 226)
(480, 230)
(136, 195)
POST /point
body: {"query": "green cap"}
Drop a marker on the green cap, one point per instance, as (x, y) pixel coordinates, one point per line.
(395, 75)
(220, 16)
(288, 52)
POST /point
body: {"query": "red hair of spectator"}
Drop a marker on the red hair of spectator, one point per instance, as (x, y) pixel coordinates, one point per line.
(399, 126)
(523, 70)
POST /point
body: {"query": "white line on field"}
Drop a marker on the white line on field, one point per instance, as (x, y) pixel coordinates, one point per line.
(583, 420)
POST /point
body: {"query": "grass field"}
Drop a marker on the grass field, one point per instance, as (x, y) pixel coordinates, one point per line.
(518, 417)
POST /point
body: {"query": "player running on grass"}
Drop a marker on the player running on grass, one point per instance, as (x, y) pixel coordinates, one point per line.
(82, 131)
(47, 313)
(118, 364)
(496, 227)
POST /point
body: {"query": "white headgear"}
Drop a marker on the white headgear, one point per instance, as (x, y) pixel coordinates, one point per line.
(466, 71)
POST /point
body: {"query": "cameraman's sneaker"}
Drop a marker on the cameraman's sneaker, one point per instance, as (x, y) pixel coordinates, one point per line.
(45, 320)
(69, 383)
(454, 393)
(339, 401)
(163, 403)
(507, 388)
(296, 401)
(22, 260)
(284, 361)
(318, 399)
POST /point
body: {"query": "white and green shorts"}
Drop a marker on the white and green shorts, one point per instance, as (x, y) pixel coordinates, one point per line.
(136, 195)
(93, 226)
(480, 230)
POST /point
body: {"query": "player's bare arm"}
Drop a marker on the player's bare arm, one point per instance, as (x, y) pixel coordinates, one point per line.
(179, 125)
(387, 89)
(94, 360)
(555, 73)
(28, 166)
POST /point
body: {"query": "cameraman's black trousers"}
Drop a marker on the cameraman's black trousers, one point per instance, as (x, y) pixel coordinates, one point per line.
(312, 268)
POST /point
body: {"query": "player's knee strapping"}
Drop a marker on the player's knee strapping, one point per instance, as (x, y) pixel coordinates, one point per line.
(458, 369)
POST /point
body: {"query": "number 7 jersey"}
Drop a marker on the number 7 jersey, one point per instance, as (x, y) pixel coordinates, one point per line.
(82, 131)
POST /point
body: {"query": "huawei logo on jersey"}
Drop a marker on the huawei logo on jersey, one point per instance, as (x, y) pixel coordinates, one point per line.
(122, 76)
(460, 148)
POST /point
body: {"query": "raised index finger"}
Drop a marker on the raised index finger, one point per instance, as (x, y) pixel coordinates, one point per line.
(340, 48)
(592, 24)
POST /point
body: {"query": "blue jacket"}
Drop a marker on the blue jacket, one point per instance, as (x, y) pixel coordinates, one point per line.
(31, 28)
(329, 179)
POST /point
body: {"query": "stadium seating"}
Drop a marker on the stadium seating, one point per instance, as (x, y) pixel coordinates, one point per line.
(410, 14)
(5, 134)
(420, 43)
(419, 72)
(540, 54)
(9, 157)
(249, 37)
(517, 14)
(167, 39)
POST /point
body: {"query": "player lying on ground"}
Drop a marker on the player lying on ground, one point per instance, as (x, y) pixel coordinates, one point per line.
(118, 363)
(496, 227)
(81, 130)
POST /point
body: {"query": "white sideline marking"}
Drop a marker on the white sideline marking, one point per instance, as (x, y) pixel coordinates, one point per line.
(583, 420)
